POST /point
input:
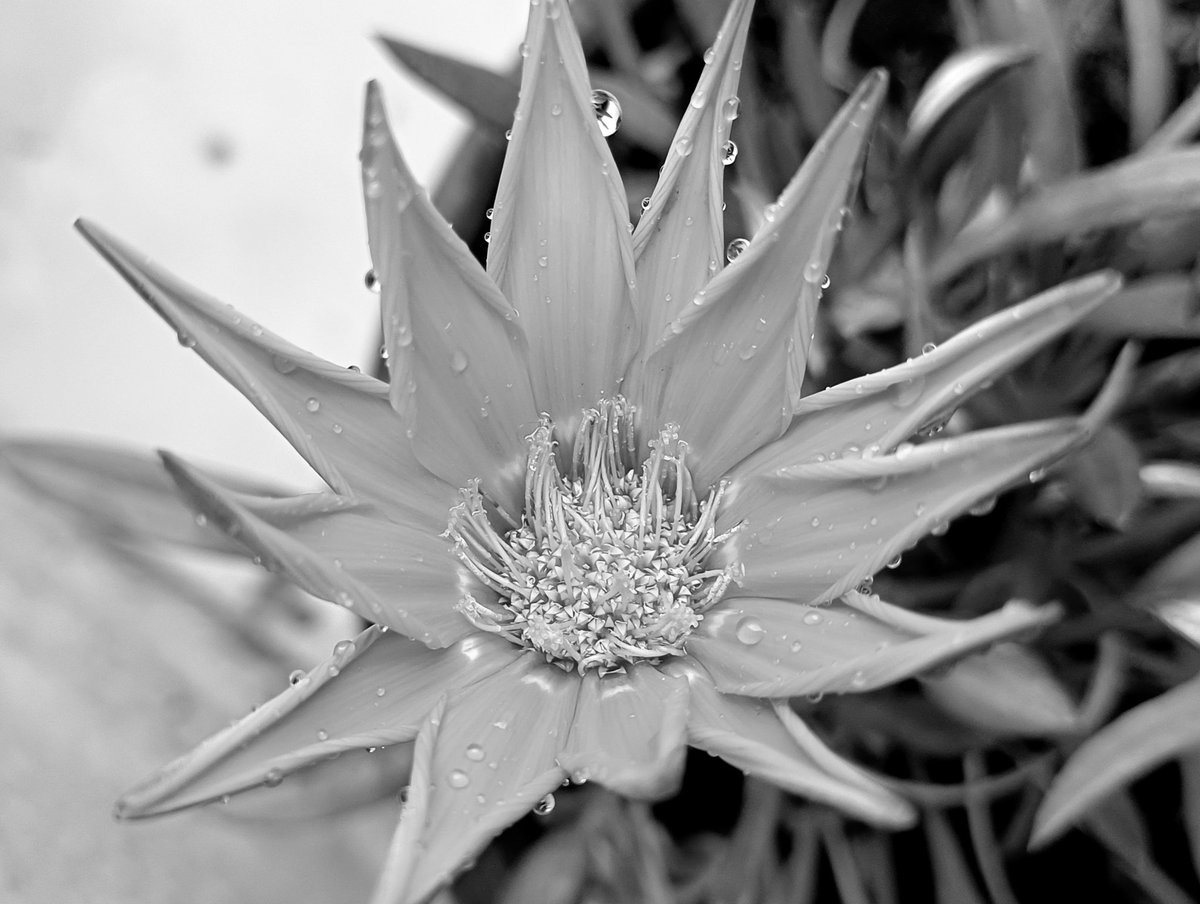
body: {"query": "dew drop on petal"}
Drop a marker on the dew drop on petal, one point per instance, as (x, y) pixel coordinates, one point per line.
(1037, 475)
(283, 365)
(813, 618)
(730, 108)
(699, 96)
(814, 272)
(749, 631)
(475, 752)
(371, 281)
(815, 522)
(458, 779)
(735, 248)
(273, 778)
(683, 146)
(296, 677)
(490, 212)
(729, 152)
(894, 561)
(608, 111)
(322, 734)
(313, 405)
(645, 204)
(380, 691)
(796, 646)
(508, 135)
(186, 341)
(544, 806)
(458, 361)
(336, 428)
(709, 55)
(556, 110)
(904, 450)
(928, 347)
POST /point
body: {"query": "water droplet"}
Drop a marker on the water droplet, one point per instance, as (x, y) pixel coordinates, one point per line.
(490, 212)
(508, 135)
(201, 519)
(699, 96)
(458, 779)
(928, 347)
(371, 281)
(186, 341)
(608, 111)
(645, 204)
(544, 806)
(487, 238)
(735, 248)
(984, 507)
(749, 631)
(458, 361)
(683, 146)
(814, 272)
(815, 522)
(273, 778)
(296, 677)
(313, 405)
(337, 428)
(904, 450)
(813, 618)
(283, 365)
(730, 108)
(380, 691)
(475, 752)
(796, 646)
(894, 561)
(322, 734)
(343, 648)
(729, 152)
(556, 110)
(709, 55)
(524, 50)
(1037, 475)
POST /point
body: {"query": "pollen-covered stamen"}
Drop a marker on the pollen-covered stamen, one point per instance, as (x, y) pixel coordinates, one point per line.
(607, 565)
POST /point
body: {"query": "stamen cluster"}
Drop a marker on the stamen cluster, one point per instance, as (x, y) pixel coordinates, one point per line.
(606, 566)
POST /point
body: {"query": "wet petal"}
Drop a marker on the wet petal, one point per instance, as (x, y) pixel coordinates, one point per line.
(883, 409)
(629, 732)
(374, 691)
(777, 648)
(337, 419)
(748, 734)
(814, 531)
(728, 368)
(560, 240)
(481, 764)
(456, 352)
(345, 552)
(679, 241)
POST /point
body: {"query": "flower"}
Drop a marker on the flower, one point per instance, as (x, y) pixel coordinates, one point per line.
(591, 515)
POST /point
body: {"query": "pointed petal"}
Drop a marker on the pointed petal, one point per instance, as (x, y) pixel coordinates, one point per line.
(337, 419)
(883, 409)
(814, 531)
(629, 733)
(679, 241)
(748, 734)
(777, 648)
(344, 552)
(336, 707)
(491, 757)
(456, 352)
(560, 239)
(728, 368)
(1130, 746)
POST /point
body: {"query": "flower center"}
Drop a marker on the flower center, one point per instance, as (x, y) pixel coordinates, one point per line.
(607, 564)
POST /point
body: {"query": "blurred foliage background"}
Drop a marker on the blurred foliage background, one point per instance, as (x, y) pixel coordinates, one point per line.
(1026, 141)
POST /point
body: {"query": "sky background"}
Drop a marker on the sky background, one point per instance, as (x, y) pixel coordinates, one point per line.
(221, 138)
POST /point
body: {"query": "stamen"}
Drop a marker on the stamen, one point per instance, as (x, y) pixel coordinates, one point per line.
(607, 564)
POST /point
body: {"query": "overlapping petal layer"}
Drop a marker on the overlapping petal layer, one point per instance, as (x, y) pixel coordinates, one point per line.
(814, 531)
(778, 648)
(748, 734)
(560, 247)
(346, 552)
(337, 419)
(491, 755)
(385, 686)
(629, 732)
(729, 366)
(885, 408)
(679, 241)
(457, 354)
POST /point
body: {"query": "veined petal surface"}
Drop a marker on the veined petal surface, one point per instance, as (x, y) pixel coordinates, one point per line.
(778, 648)
(885, 408)
(811, 532)
(345, 552)
(679, 241)
(338, 420)
(749, 735)
(728, 368)
(455, 349)
(630, 732)
(560, 247)
(375, 690)
(489, 756)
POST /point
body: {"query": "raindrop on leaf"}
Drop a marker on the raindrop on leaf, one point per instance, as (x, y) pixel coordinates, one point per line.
(608, 111)
(544, 806)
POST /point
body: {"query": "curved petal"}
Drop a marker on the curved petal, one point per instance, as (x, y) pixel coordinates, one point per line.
(883, 409)
(481, 764)
(337, 419)
(748, 734)
(456, 351)
(776, 648)
(728, 368)
(679, 241)
(814, 531)
(629, 733)
(560, 230)
(375, 690)
(344, 552)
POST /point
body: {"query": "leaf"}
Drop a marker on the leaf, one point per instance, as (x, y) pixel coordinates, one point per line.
(1125, 749)
(1104, 478)
(1160, 306)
